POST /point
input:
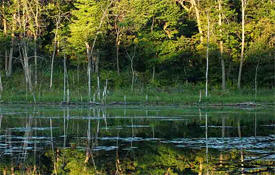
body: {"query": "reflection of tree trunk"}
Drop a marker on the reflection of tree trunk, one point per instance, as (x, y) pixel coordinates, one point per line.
(201, 168)
(243, 40)
(221, 159)
(239, 129)
(223, 127)
(88, 149)
(64, 128)
(12, 170)
(118, 168)
(1, 117)
(255, 125)
(242, 161)
(206, 139)
(242, 153)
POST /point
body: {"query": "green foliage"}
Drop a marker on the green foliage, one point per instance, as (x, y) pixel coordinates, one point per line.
(165, 35)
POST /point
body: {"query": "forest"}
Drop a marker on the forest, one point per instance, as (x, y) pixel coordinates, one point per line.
(81, 49)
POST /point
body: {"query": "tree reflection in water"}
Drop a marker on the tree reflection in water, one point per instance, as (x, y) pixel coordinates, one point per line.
(133, 141)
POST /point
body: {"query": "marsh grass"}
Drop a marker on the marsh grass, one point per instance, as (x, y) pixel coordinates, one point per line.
(154, 96)
(187, 93)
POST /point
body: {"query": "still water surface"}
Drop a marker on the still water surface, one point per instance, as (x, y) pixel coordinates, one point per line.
(136, 140)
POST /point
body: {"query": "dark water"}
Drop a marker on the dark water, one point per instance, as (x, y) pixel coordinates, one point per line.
(136, 140)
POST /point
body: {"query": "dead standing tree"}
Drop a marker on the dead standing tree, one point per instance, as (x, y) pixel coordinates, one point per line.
(90, 49)
(131, 58)
(244, 4)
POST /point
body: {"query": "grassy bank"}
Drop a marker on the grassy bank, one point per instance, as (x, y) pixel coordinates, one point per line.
(119, 90)
(151, 96)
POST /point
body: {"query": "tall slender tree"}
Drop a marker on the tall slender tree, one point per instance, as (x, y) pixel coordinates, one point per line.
(244, 4)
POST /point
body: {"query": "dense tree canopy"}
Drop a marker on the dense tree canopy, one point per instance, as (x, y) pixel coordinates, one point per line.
(160, 41)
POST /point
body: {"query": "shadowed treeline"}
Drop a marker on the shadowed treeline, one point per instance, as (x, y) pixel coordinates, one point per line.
(152, 43)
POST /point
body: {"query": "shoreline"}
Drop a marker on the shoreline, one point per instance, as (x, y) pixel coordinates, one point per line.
(97, 104)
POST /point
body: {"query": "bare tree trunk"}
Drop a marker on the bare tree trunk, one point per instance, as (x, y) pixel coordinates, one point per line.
(36, 33)
(78, 70)
(197, 11)
(91, 49)
(98, 88)
(10, 60)
(243, 42)
(6, 61)
(12, 45)
(97, 63)
(35, 60)
(54, 49)
(117, 52)
(27, 69)
(133, 75)
(207, 56)
(89, 55)
(131, 58)
(5, 34)
(65, 77)
(1, 87)
(221, 46)
(255, 80)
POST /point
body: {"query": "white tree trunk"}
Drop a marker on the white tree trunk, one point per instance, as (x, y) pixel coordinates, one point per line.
(12, 45)
(207, 57)
(243, 42)
(1, 86)
(117, 51)
(91, 49)
(197, 11)
(221, 47)
(35, 61)
(27, 69)
(89, 71)
(255, 80)
(65, 77)
(54, 50)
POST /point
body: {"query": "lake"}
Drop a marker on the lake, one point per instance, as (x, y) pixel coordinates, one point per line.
(136, 140)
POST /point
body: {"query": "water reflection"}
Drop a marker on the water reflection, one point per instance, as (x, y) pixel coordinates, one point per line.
(52, 140)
